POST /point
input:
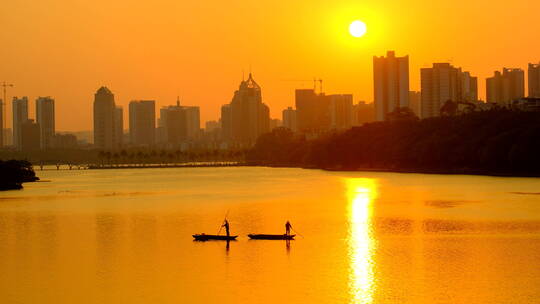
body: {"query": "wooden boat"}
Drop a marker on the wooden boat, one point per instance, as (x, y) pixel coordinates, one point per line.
(213, 237)
(271, 236)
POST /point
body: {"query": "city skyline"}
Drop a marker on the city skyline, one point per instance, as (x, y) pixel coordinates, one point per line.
(318, 45)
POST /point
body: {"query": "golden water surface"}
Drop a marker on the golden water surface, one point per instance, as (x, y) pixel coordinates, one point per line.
(124, 236)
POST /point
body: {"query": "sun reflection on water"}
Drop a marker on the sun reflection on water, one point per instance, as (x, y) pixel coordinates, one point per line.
(361, 192)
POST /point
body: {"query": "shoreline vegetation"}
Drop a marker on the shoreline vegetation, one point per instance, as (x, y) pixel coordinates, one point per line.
(13, 173)
(497, 142)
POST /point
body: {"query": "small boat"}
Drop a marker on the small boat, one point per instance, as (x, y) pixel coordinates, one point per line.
(271, 236)
(213, 237)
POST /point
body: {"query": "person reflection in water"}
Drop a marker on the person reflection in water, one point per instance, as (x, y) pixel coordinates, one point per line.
(288, 227)
(226, 225)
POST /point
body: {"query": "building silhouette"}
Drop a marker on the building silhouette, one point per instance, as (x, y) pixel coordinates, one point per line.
(505, 87)
(534, 80)
(249, 117)
(119, 126)
(105, 111)
(391, 83)
(179, 124)
(312, 111)
(30, 136)
(415, 102)
(226, 123)
(444, 82)
(20, 116)
(341, 111)
(142, 122)
(289, 119)
(46, 121)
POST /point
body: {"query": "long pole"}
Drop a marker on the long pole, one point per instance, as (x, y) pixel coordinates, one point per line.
(221, 226)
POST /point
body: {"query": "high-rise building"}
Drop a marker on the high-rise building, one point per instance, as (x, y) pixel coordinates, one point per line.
(505, 87)
(45, 119)
(8, 137)
(226, 122)
(193, 121)
(467, 87)
(341, 111)
(439, 84)
(118, 127)
(289, 119)
(20, 116)
(312, 111)
(415, 102)
(30, 136)
(104, 120)
(180, 123)
(391, 83)
(534, 80)
(142, 122)
(250, 117)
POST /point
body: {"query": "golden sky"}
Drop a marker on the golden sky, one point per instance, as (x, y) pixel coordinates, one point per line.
(197, 49)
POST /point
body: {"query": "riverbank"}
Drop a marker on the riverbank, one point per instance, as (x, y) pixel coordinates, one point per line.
(395, 170)
(496, 143)
(13, 173)
(181, 165)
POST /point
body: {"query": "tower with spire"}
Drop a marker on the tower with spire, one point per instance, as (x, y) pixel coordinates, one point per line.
(249, 117)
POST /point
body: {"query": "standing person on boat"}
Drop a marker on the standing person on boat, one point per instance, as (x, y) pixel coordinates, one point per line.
(226, 225)
(288, 228)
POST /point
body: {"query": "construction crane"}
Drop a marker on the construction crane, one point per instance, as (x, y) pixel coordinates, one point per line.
(4, 86)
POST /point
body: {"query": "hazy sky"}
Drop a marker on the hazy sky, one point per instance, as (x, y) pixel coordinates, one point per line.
(197, 49)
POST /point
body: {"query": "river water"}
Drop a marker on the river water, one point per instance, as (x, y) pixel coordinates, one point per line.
(124, 236)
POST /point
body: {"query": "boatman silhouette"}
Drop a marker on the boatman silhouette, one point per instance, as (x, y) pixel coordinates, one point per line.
(288, 227)
(226, 225)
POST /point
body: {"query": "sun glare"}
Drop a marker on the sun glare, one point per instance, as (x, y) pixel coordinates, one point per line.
(357, 28)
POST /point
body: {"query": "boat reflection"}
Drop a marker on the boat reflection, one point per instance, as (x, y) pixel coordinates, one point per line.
(361, 193)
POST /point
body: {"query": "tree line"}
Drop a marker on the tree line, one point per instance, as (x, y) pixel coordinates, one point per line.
(498, 141)
(15, 172)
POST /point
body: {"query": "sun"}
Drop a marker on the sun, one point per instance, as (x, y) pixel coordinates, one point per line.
(357, 28)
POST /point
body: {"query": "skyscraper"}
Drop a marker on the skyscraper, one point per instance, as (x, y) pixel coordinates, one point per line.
(226, 122)
(467, 87)
(391, 83)
(20, 116)
(104, 120)
(250, 117)
(142, 122)
(439, 84)
(312, 111)
(180, 123)
(289, 119)
(341, 111)
(415, 101)
(118, 127)
(505, 87)
(45, 119)
(534, 80)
